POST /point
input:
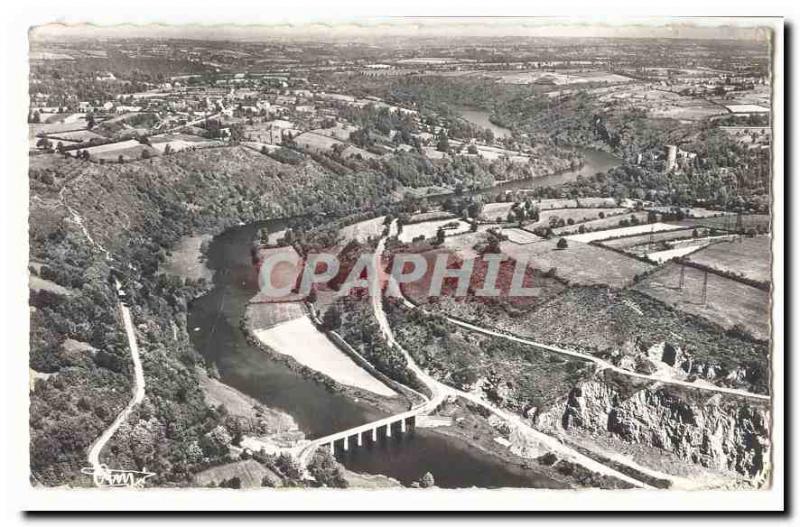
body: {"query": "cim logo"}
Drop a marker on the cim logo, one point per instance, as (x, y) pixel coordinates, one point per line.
(106, 477)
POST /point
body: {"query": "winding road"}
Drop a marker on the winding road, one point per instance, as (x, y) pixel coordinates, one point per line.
(440, 391)
(138, 392)
(127, 321)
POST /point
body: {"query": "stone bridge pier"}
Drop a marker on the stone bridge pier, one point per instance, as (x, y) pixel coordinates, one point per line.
(370, 433)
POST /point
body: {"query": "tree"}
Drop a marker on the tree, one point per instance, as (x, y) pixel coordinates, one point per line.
(288, 467)
(121, 159)
(145, 154)
(440, 236)
(332, 319)
(167, 150)
(427, 481)
(44, 143)
(442, 142)
(324, 468)
(234, 483)
(562, 243)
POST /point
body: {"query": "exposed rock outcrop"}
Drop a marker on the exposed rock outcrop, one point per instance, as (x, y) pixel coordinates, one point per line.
(717, 432)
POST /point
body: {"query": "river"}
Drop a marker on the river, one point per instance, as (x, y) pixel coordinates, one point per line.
(481, 118)
(218, 337)
(214, 329)
(594, 160)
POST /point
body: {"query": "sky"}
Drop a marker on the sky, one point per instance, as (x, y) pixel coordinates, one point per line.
(711, 28)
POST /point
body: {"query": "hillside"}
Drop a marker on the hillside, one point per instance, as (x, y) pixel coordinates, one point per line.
(137, 211)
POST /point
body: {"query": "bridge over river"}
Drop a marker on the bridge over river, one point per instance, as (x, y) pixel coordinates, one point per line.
(398, 423)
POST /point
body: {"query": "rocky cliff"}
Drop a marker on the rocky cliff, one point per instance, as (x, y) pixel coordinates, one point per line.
(715, 431)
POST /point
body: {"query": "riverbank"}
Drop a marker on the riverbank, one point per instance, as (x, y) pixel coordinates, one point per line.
(383, 404)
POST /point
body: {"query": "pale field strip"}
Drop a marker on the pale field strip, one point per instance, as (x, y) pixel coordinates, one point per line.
(111, 147)
(54, 128)
(611, 222)
(431, 216)
(633, 243)
(600, 203)
(76, 136)
(36, 283)
(363, 230)
(669, 254)
(520, 237)
(562, 78)
(302, 341)
(178, 142)
(692, 212)
(429, 229)
(621, 231)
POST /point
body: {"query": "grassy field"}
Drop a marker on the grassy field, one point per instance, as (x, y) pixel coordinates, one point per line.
(496, 211)
(602, 224)
(629, 242)
(728, 302)
(129, 150)
(79, 136)
(249, 471)
(363, 230)
(428, 229)
(579, 263)
(754, 221)
(748, 257)
(618, 232)
(577, 215)
(463, 244)
(178, 142)
(238, 404)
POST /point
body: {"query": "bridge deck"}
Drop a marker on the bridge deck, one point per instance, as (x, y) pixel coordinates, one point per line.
(367, 427)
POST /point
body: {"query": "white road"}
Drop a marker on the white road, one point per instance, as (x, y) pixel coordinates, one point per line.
(440, 391)
(138, 392)
(127, 321)
(603, 364)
